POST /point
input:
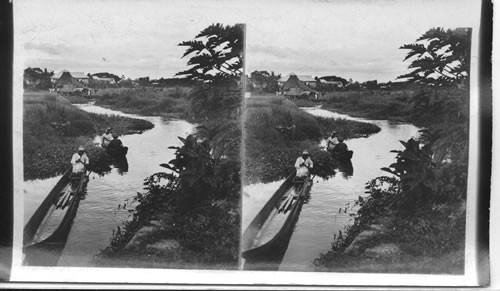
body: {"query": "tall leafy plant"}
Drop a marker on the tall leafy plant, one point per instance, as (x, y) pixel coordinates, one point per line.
(216, 54)
(216, 61)
(439, 57)
(202, 177)
(195, 168)
(414, 168)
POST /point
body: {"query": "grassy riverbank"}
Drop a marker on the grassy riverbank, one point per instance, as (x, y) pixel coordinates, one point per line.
(277, 131)
(75, 99)
(394, 105)
(171, 102)
(372, 104)
(414, 220)
(388, 240)
(53, 129)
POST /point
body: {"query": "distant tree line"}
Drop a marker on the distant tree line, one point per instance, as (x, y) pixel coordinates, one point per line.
(263, 82)
(106, 75)
(40, 79)
(267, 82)
(333, 78)
(36, 78)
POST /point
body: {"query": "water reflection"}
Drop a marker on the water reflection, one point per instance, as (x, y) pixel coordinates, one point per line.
(120, 164)
(346, 169)
(326, 214)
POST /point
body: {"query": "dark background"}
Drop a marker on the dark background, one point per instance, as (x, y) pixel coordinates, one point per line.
(6, 193)
(485, 138)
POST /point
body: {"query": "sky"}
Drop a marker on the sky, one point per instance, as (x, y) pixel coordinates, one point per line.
(356, 39)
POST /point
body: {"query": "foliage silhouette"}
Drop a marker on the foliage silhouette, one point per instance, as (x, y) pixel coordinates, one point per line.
(216, 54)
(263, 81)
(439, 57)
(216, 58)
(36, 78)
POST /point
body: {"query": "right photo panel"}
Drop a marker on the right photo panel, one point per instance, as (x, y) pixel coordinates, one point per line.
(356, 137)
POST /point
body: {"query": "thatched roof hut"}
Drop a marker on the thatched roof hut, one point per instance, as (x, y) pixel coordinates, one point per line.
(295, 87)
(67, 81)
(303, 78)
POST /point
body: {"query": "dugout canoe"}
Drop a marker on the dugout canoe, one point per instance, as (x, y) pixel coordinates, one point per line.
(47, 230)
(259, 246)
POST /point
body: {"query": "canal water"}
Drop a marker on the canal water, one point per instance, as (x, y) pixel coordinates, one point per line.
(327, 211)
(98, 214)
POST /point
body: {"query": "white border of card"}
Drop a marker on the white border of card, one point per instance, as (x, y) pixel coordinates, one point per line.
(163, 276)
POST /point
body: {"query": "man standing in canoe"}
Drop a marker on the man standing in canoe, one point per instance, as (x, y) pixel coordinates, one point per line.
(303, 164)
(79, 161)
(107, 137)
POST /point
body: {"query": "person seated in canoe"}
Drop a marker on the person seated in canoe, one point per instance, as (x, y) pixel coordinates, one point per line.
(341, 147)
(332, 141)
(303, 164)
(107, 137)
(79, 161)
(115, 147)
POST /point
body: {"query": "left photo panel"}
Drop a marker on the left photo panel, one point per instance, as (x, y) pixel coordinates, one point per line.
(130, 138)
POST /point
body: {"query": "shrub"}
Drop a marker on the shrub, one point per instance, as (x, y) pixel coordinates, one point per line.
(426, 205)
(354, 100)
(198, 204)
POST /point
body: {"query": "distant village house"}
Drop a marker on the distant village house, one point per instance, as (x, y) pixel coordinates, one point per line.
(307, 80)
(295, 86)
(66, 84)
(78, 76)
